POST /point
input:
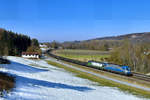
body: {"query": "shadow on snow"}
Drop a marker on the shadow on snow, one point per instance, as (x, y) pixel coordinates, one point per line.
(24, 68)
(37, 83)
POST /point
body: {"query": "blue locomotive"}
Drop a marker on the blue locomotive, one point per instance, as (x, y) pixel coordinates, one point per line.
(120, 69)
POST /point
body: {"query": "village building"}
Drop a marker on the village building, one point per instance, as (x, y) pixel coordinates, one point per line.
(34, 55)
(43, 46)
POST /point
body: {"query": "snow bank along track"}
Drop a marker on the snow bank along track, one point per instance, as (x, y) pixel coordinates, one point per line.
(135, 75)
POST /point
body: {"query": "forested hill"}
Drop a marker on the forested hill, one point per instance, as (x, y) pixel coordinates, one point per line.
(132, 36)
(105, 43)
(13, 43)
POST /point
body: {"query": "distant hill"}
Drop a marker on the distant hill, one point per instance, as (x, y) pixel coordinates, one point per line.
(111, 41)
(145, 36)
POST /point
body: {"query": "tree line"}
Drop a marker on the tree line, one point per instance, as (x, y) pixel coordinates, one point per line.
(13, 43)
(135, 55)
(103, 45)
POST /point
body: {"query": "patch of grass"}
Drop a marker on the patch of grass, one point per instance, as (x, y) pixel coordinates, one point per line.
(83, 55)
(104, 82)
(7, 83)
(81, 52)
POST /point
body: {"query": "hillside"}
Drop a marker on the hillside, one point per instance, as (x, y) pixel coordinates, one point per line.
(145, 36)
(37, 80)
(108, 42)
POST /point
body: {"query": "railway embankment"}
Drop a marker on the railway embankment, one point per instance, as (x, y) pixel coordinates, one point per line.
(129, 84)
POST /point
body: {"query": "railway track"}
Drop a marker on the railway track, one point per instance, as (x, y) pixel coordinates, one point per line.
(141, 76)
(135, 75)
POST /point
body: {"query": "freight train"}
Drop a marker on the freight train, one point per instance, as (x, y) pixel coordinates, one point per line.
(118, 69)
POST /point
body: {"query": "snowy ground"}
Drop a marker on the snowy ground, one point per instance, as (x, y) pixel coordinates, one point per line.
(36, 80)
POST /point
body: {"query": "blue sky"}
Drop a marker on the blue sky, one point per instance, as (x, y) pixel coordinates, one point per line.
(67, 20)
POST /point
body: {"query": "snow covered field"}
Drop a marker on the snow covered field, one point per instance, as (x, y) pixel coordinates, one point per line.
(36, 80)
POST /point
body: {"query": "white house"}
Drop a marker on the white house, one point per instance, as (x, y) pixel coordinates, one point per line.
(43, 46)
(30, 55)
